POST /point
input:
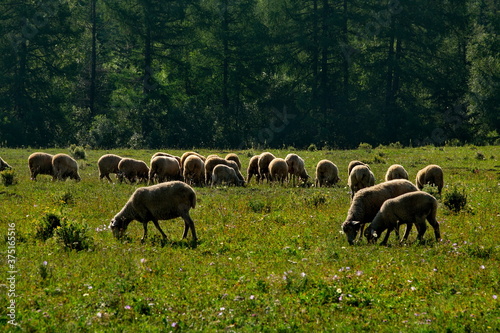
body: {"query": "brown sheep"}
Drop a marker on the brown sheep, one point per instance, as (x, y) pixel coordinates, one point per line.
(354, 163)
(278, 170)
(133, 170)
(164, 169)
(108, 164)
(225, 174)
(263, 162)
(432, 175)
(296, 168)
(327, 173)
(40, 164)
(360, 177)
(210, 164)
(186, 155)
(233, 157)
(165, 155)
(396, 171)
(253, 169)
(194, 170)
(163, 201)
(4, 165)
(64, 166)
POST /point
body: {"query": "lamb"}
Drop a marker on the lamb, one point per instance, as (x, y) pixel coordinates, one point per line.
(296, 167)
(410, 208)
(211, 162)
(354, 163)
(233, 157)
(253, 169)
(108, 164)
(263, 162)
(64, 166)
(4, 165)
(194, 170)
(165, 169)
(431, 174)
(40, 164)
(367, 202)
(396, 171)
(163, 201)
(278, 170)
(359, 178)
(133, 170)
(225, 174)
(327, 173)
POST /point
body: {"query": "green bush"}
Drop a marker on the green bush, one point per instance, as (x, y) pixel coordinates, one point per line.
(74, 236)
(78, 152)
(455, 200)
(8, 177)
(44, 228)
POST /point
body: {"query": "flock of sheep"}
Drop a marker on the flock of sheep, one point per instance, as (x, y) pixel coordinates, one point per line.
(384, 206)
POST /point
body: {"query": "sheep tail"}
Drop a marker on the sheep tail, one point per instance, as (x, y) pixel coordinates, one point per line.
(193, 200)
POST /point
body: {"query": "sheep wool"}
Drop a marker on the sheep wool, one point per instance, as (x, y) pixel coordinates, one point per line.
(327, 174)
(4, 165)
(108, 164)
(225, 174)
(65, 166)
(40, 164)
(253, 169)
(396, 171)
(359, 178)
(278, 169)
(263, 162)
(194, 170)
(432, 175)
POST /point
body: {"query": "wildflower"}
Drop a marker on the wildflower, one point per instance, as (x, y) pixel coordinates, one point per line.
(482, 267)
(143, 260)
(44, 263)
(339, 291)
(174, 324)
(359, 273)
(303, 274)
(252, 297)
(99, 315)
(127, 307)
(495, 296)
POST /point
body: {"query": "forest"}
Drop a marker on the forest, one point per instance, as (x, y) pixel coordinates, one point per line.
(248, 73)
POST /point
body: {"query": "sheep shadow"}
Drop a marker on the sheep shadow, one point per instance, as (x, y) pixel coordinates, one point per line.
(157, 240)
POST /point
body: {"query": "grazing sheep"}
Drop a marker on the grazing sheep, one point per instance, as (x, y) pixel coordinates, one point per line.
(359, 178)
(263, 162)
(367, 202)
(164, 169)
(4, 165)
(253, 169)
(278, 170)
(354, 163)
(194, 170)
(165, 155)
(296, 167)
(133, 170)
(211, 162)
(108, 164)
(410, 208)
(431, 174)
(225, 174)
(163, 201)
(396, 171)
(189, 153)
(64, 166)
(40, 164)
(233, 157)
(327, 173)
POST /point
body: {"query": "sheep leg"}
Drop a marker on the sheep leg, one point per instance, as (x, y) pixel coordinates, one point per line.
(386, 237)
(435, 225)
(421, 227)
(188, 224)
(155, 222)
(145, 227)
(407, 232)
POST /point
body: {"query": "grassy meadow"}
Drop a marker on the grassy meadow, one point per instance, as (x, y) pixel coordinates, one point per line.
(268, 259)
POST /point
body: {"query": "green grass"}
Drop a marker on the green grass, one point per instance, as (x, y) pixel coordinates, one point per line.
(269, 258)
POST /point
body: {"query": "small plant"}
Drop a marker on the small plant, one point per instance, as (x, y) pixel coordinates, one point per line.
(65, 198)
(480, 156)
(78, 152)
(8, 177)
(74, 236)
(396, 145)
(316, 200)
(258, 206)
(44, 229)
(365, 146)
(312, 147)
(455, 200)
(431, 189)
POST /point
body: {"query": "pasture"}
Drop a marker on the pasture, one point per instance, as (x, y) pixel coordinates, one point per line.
(268, 259)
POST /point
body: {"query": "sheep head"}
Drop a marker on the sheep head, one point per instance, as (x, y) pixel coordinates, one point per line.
(371, 235)
(118, 226)
(350, 229)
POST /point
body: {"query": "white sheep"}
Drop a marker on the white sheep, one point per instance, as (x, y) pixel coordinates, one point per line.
(187, 154)
(253, 169)
(367, 202)
(410, 208)
(163, 201)
(431, 174)
(359, 178)
(296, 168)
(263, 162)
(107, 164)
(64, 166)
(194, 170)
(212, 162)
(225, 174)
(396, 171)
(235, 158)
(164, 168)
(278, 170)
(4, 165)
(354, 163)
(133, 170)
(165, 155)
(40, 164)
(327, 173)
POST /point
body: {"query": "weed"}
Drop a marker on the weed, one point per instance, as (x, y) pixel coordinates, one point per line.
(316, 200)
(44, 228)
(431, 189)
(77, 152)
(365, 146)
(74, 236)
(312, 147)
(455, 200)
(480, 156)
(258, 206)
(8, 177)
(65, 198)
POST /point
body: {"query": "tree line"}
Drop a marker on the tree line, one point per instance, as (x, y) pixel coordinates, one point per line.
(248, 73)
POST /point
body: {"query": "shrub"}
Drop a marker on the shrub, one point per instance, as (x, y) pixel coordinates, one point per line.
(312, 147)
(74, 236)
(365, 146)
(480, 156)
(8, 177)
(431, 189)
(44, 229)
(78, 152)
(455, 200)
(65, 198)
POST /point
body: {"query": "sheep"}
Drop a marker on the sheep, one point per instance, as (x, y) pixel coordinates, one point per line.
(396, 171)
(278, 170)
(211, 162)
(4, 165)
(64, 166)
(327, 173)
(296, 167)
(410, 208)
(263, 163)
(194, 170)
(165, 168)
(359, 178)
(233, 157)
(225, 174)
(253, 169)
(40, 164)
(108, 164)
(367, 202)
(431, 174)
(187, 154)
(354, 163)
(163, 201)
(133, 170)
(165, 155)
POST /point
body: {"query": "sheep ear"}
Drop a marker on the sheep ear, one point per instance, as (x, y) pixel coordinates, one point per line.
(355, 222)
(374, 234)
